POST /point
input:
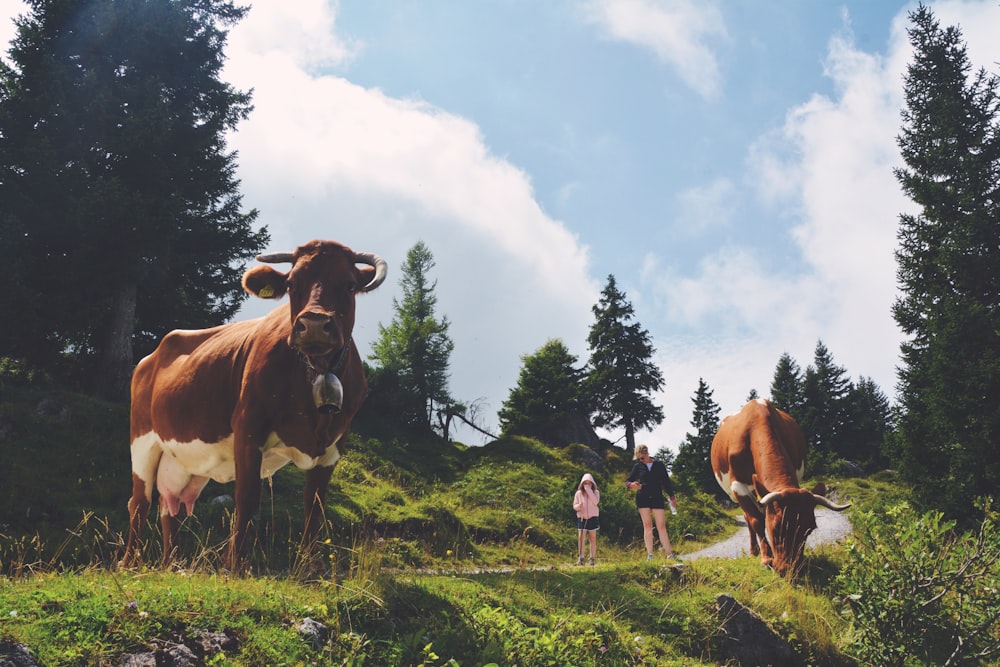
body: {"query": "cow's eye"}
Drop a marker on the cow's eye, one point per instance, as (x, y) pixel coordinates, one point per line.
(351, 288)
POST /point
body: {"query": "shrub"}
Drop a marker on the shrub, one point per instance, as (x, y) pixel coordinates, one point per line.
(916, 590)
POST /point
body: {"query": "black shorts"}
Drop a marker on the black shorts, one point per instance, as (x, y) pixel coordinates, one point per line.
(587, 524)
(651, 503)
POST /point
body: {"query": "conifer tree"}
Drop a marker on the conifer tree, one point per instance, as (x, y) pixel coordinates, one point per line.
(787, 390)
(119, 207)
(621, 374)
(413, 352)
(824, 407)
(949, 273)
(693, 464)
(547, 396)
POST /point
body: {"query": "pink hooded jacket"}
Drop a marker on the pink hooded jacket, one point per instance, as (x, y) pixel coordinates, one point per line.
(584, 501)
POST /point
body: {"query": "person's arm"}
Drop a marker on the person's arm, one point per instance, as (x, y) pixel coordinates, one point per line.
(578, 501)
(632, 477)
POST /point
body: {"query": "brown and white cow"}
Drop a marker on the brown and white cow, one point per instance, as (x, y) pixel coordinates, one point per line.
(759, 456)
(239, 401)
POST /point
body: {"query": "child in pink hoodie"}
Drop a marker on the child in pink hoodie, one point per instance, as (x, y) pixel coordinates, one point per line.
(585, 503)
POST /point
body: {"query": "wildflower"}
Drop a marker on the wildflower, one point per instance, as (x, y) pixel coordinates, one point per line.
(13, 613)
(143, 614)
(326, 541)
(603, 649)
(638, 639)
(448, 552)
(132, 606)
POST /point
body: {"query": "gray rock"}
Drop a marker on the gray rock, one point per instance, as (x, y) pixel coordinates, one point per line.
(312, 631)
(16, 655)
(748, 639)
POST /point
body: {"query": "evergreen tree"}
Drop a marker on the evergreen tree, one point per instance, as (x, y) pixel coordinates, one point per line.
(870, 424)
(547, 397)
(621, 374)
(693, 465)
(413, 353)
(824, 408)
(119, 208)
(787, 386)
(949, 274)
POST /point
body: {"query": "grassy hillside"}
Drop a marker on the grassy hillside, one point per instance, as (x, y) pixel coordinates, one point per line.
(438, 554)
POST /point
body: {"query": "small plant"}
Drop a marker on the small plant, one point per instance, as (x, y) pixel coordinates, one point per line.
(916, 590)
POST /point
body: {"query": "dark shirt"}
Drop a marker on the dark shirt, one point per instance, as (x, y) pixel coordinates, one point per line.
(655, 482)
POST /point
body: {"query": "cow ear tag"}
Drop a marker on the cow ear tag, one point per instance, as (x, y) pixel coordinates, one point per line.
(265, 292)
(328, 393)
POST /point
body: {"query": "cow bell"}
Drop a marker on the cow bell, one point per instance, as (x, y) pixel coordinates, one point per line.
(328, 393)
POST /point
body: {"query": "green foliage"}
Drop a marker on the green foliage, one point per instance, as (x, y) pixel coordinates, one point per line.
(413, 352)
(113, 126)
(918, 591)
(547, 397)
(693, 465)
(949, 274)
(787, 386)
(621, 374)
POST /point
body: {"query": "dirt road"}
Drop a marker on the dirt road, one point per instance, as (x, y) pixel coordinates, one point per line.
(830, 527)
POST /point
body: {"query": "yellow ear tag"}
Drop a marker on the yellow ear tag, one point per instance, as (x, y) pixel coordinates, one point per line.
(265, 292)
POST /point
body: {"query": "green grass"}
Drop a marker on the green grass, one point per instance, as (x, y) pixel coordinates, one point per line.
(434, 553)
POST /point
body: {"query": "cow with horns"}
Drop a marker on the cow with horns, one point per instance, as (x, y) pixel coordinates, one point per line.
(759, 457)
(241, 400)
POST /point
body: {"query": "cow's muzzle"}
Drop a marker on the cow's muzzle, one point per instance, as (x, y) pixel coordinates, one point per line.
(315, 334)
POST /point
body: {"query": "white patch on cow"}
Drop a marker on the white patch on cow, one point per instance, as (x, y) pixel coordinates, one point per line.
(762, 401)
(182, 469)
(723, 480)
(741, 489)
(146, 454)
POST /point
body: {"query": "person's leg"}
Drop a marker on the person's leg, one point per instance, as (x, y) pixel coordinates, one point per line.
(581, 540)
(593, 545)
(647, 529)
(661, 529)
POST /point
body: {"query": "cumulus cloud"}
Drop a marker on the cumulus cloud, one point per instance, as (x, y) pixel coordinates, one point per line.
(324, 157)
(829, 169)
(676, 32)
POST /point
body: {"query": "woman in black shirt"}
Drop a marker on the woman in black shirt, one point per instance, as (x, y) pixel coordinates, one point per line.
(650, 480)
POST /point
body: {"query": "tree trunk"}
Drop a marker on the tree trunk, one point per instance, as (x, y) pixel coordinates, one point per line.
(629, 438)
(114, 352)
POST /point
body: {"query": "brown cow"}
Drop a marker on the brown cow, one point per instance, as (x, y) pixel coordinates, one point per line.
(239, 401)
(760, 452)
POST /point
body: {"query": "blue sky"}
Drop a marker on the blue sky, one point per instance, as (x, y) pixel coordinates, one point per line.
(729, 162)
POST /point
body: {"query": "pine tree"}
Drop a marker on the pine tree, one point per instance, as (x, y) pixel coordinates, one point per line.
(413, 353)
(118, 200)
(870, 424)
(787, 386)
(621, 375)
(949, 274)
(693, 464)
(547, 397)
(824, 408)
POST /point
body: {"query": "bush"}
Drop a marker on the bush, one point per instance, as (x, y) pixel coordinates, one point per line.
(916, 590)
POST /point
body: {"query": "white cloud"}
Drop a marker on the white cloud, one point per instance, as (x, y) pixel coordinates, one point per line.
(675, 31)
(324, 157)
(706, 208)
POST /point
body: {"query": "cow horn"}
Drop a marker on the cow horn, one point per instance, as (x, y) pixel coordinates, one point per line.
(826, 502)
(769, 498)
(381, 268)
(276, 258)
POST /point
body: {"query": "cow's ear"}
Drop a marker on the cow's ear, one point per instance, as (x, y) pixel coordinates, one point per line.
(265, 282)
(759, 487)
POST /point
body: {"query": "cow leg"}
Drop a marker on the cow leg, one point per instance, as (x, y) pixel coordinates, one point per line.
(747, 500)
(317, 481)
(248, 462)
(146, 453)
(138, 512)
(171, 525)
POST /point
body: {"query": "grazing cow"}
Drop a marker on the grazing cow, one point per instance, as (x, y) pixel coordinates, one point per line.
(239, 401)
(759, 456)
